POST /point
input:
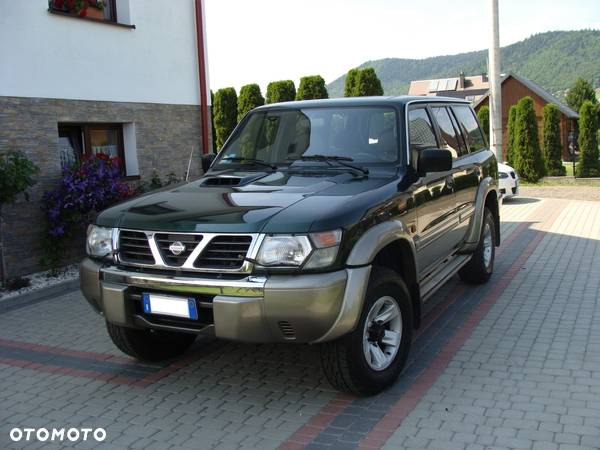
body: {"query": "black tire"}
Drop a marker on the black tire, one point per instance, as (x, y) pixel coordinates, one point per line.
(149, 345)
(476, 271)
(344, 361)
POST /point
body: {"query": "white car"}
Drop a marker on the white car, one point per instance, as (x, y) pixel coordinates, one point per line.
(508, 181)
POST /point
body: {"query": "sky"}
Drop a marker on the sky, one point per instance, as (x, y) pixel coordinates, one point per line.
(258, 41)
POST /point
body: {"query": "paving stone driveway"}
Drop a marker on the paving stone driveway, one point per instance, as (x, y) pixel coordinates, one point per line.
(511, 364)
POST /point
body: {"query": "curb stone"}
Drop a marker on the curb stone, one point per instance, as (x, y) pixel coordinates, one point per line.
(38, 295)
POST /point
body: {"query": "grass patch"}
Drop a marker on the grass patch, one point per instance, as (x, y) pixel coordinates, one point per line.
(567, 182)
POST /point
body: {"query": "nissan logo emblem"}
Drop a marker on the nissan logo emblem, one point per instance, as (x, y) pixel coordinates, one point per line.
(177, 248)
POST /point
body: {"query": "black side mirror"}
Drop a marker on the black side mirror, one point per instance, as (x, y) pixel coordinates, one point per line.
(434, 160)
(207, 161)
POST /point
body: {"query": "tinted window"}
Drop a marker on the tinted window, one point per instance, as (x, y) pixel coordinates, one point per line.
(473, 134)
(420, 130)
(450, 140)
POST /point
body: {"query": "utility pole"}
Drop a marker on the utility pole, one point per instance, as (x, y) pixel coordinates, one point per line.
(495, 87)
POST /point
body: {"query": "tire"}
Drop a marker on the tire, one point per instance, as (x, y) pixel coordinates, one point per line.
(149, 345)
(481, 266)
(345, 361)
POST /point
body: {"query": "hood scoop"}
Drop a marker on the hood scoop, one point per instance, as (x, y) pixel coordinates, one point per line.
(221, 181)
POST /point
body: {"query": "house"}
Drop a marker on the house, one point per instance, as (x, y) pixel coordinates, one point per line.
(513, 87)
(470, 88)
(128, 80)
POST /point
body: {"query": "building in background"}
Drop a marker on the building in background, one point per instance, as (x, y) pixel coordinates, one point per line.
(128, 81)
(514, 87)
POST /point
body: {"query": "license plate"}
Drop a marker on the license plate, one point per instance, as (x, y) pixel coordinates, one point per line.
(167, 305)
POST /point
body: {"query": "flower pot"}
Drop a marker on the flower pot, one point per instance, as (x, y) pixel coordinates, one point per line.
(94, 13)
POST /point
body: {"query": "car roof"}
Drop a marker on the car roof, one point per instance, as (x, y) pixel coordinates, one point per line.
(360, 101)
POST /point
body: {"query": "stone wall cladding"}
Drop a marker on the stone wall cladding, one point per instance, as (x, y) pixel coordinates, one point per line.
(165, 135)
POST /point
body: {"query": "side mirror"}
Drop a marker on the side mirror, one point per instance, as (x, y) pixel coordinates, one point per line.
(206, 161)
(434, 160)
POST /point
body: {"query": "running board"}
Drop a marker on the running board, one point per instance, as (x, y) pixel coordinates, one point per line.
(436, 280)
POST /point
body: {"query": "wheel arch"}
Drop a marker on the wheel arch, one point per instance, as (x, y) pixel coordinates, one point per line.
(389, 244)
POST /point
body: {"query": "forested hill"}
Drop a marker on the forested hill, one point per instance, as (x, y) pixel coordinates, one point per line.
(553, 60)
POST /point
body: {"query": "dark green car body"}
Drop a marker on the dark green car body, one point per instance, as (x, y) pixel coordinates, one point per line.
(422, 224)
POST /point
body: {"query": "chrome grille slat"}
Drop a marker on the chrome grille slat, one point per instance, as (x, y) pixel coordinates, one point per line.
(204, 252)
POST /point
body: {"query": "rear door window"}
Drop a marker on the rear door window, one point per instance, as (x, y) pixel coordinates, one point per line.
(470, 127)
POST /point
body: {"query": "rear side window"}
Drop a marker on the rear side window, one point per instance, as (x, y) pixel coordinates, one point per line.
(421, 133)
(470, 127)
(448, 131)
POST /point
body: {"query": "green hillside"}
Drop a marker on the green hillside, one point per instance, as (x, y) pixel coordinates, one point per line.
(553, 60)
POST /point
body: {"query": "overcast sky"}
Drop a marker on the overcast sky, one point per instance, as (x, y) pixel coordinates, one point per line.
(257, 41)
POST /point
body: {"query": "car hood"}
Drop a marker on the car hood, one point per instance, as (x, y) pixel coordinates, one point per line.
(245, 202)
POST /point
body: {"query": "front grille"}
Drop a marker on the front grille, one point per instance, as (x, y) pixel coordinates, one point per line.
(224, 252)
(164, 241)
(134, 247)
(514, 190)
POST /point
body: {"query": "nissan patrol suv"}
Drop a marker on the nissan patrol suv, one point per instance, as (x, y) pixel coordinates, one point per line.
(326, 222)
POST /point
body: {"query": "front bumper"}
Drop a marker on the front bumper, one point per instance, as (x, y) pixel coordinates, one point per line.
(275, 308)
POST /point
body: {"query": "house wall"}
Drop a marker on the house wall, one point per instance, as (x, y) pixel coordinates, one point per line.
(165, 135)
(51, 56)
(512, 92)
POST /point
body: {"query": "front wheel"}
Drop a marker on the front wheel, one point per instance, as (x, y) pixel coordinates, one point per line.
(149, 345)
(371, 357)
(479, 269)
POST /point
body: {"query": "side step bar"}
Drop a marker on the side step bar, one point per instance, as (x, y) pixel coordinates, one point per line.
(447, 271)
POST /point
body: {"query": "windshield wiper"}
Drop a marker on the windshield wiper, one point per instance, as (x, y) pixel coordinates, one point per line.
(258, 162)
(340, 160)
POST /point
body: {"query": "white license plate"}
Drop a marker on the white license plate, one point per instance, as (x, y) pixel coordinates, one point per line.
(167, 305)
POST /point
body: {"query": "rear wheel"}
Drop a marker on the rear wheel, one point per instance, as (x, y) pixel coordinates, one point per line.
(479, 269)
(149, 345)
(371, 357)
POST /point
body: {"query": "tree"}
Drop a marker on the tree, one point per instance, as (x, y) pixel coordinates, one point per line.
(588, 165)
(529, 160)
(484, 120)
(213, 133)
(17, 174)
(350, 82)
(551, 141)
(581, 91)
(367, 83)
(281, 91)
(510, 145)
(311, 87)
(250, 98)
(225, 114)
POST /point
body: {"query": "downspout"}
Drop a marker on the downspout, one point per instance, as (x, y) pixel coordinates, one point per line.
(204, 115)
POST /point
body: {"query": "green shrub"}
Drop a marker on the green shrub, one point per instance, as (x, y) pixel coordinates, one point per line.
(250, 98)
(311, 87)
(17, 174)
(367, 83)
(213, 133)
(350, 82)
(510, 139)
(484, 120)
(281, 91)
(581, 91)
(529, 160)
(225, 114)
(588, 165)
(551, 141)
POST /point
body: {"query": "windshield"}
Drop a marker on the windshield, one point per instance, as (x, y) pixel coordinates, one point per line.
(365, 134)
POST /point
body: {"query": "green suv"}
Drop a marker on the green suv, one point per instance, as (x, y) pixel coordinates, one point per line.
(325, 222)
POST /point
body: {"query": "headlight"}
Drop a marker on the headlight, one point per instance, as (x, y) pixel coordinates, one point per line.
(502, 175)
(284, 250)
(99, 241)
(294, 251)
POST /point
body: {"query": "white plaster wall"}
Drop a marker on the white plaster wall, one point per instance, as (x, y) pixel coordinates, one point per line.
(46, 55)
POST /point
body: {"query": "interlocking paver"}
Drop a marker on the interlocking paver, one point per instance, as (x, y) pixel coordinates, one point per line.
(527, 375)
